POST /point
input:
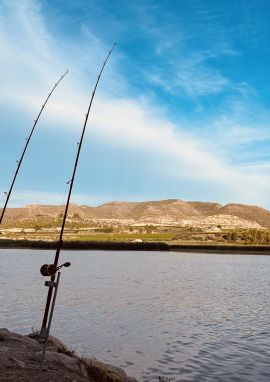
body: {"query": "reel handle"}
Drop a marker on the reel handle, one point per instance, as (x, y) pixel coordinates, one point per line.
(51, 269)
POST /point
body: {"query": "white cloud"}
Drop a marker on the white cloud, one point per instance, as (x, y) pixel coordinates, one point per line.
(21, 198)
(173, 153)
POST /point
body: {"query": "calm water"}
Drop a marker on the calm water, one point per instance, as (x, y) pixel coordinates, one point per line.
(189, 317)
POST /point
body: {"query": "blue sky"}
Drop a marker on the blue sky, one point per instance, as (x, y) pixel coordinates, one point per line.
(161, 125)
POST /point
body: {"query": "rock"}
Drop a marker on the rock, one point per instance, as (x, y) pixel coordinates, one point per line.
(69, 362)
(34, 335)
(17, 337)
(51, 348)
(4, 334)
(45, 367)
(53, 366)
(17, 362)
(4, 348)
(53, 341)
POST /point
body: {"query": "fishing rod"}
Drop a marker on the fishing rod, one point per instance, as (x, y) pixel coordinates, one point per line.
(52, 269)
(19, 162)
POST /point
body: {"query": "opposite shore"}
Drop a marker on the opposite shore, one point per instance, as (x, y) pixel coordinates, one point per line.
(137, 246)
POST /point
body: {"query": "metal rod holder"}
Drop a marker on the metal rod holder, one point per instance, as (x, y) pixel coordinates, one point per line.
(46, 331)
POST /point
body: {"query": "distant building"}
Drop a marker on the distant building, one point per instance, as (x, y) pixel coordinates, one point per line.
(212, 229)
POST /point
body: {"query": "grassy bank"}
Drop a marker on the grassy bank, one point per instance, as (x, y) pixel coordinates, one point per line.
(126, 237)
(131, 246)
(220, 248)
(86, 245)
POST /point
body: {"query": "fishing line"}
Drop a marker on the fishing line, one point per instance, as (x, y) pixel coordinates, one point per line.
(51, 270)
(70, 172)
(8, 193)
(8, 185)
(176, 124)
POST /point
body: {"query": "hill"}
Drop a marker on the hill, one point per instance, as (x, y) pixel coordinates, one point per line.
(206, 208)
(154, 211)
(251, 213)
(171, 211)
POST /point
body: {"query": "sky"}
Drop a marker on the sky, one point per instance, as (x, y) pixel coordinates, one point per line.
(181, 110)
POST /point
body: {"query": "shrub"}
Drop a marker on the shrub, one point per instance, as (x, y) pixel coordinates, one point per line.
(97, 372)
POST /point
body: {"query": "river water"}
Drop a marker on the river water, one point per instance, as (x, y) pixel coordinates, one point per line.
(188, 317)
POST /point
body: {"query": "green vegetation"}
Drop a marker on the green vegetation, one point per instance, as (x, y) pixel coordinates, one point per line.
(104, 230)
(66, 352)
(126, 237)
(46, 228)
(94, 368)
(222, 247)
(86, 245)
(97, 372)
(76, 216)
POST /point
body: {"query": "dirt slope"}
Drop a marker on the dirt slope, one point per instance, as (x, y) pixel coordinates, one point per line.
(206, 208)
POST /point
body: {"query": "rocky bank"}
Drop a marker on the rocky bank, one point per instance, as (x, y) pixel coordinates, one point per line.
(19, 361)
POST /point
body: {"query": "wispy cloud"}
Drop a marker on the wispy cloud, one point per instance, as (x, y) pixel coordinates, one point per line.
(164, 152)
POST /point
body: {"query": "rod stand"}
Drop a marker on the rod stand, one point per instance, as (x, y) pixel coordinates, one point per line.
(45, 331)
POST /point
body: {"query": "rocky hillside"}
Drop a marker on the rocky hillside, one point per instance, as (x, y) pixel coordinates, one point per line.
(243, 211)
(163, 212)
(206, 208)
(172, 209)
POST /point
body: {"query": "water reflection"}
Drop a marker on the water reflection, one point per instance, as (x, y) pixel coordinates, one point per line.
(190, 317)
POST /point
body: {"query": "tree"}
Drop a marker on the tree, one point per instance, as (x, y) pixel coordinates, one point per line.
(234, 236)
(229, 235)
(245, 235)
(260, 236)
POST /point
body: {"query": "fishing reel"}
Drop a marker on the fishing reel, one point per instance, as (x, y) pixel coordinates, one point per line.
(51, 269)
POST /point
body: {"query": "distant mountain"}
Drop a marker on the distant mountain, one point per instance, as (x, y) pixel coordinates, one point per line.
(154, 211)
(174, 209)
(164, 211)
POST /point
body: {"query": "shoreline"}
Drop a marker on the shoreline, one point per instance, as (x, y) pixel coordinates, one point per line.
(85, 245)
(135, 246)
(221, 252)
(20, 358)
(224, 249)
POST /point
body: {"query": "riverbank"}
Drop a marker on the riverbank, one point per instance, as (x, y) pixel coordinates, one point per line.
(86, 245)
(137, 246)
(221, 249)
(19, 361)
